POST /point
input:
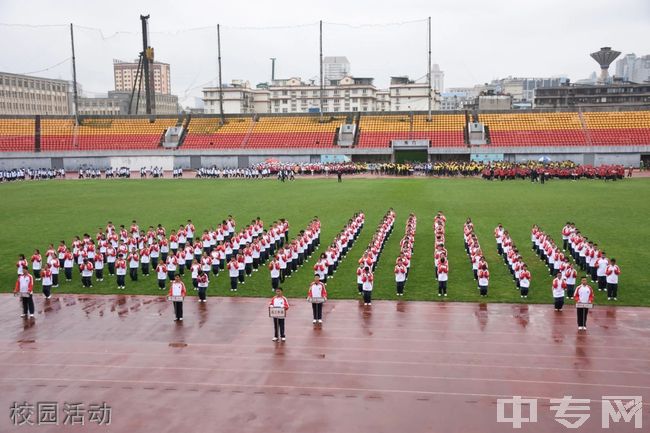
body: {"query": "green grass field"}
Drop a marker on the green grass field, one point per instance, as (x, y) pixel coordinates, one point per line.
(614, 214)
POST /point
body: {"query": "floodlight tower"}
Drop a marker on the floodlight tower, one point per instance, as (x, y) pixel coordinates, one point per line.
(605, 57)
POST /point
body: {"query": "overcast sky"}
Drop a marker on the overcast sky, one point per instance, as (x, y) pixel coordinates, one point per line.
(473, 41)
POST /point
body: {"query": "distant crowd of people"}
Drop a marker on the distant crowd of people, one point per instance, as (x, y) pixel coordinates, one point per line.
(536, 171)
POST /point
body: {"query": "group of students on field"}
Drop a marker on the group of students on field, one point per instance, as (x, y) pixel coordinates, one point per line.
(370, 258)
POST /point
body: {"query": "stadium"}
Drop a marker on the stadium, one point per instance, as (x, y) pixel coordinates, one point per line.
(428, 264)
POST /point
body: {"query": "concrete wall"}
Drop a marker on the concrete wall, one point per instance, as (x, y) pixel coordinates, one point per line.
(11, 163)
(632, 159)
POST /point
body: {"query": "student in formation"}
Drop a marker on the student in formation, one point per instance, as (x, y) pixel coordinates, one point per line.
(203, 280)
(400, 277)
(120, 271)
(86, 268)
(443, 276)
(274, 268)
(233, 273)
(25, 284)
(177, 288)
(584, 294)
(46, 280)
(68, 264)
(54, 266)
(360, 271)
(194, 273)
(37, 264)
(367, 282)
(483, 276)
(161, 274)
(558, 288)
(21, 264)
(570, 275)
(317, 290)
(611, 274)
(99, 267)
(134, 263)
(278, 324)
(524, 281)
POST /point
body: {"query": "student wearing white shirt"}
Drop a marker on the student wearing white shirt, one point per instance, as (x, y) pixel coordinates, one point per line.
(558, 287)
(203, 282)
(317, 290)
(585, 295)
(177, 288)
(612, 273)
(25, 284)
(601, 265)
(278, 324)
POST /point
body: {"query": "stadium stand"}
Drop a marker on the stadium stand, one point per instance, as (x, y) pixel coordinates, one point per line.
(618, 128)
(510, 129)
(535, 129)
(210, 133)
(17, 135)
(103, 133)
(443, 130)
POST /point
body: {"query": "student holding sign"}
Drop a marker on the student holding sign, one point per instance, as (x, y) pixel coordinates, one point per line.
(584, 298)
(277, 310)
(177, 292)
(317, 295)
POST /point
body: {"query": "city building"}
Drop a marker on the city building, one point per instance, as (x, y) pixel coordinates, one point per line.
(125, 76)
(335, 68)
(437, 78)
(494, 102)
(238, 98)
(591, 96)
(457, 100)
(347, 94)
(23, 94)
(117, 104)
(634, 69)
(409, 95)
(383, 100)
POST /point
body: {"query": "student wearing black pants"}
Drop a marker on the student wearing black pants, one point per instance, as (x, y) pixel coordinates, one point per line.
(585, 295)
(203, 282)
(278, 323)
(25, 285)
(318, 292)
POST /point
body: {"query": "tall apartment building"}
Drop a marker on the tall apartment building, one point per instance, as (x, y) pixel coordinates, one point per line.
(409, 95)
(634, 69)
(125, 73)
(24, 94)
(335, 68)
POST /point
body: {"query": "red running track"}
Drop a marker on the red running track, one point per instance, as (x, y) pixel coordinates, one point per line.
(397, 366)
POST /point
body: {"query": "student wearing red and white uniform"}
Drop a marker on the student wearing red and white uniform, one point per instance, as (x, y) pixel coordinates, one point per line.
(317, 290)
(145, 259)
(320, 268)
(86, 269)
(367, 282)
(400, 277)
(278, 324)
(248, 260)
(171, 264)
(206, 263)
(54, 267)
(189, 231)
(21, 264)
(161, 274)
(25, 284)
(177, 288)
(274, 268)
(203, 280)
(443, 275)
(601, 265)
(570, 275)
(241, 266)
(524, 281)
(194, 273)
(68, 264)
(46, 278)
(360, 279)
(566, 233)
(559, 285)
(233, 273)
(584, 294)
(120, 271)
(37, 264)
(612, 272)
(99, 267)
(483, 276)
(134, 263)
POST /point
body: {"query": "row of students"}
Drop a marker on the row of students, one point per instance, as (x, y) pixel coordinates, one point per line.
(564, 281)
(515, 262)
(440, 261)
(475, 253)
(326, 265)
(371, 256)
(591, 259)
(403, 261)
